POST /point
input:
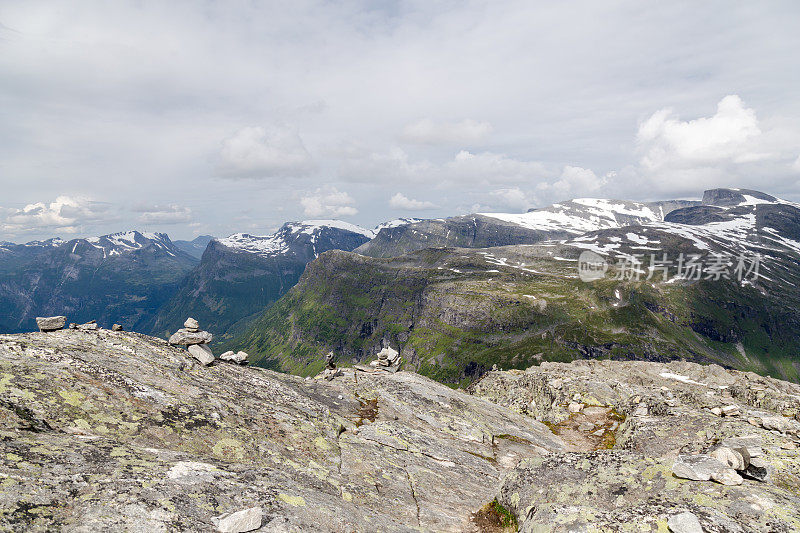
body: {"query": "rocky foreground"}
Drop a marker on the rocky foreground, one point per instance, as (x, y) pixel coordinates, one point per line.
(116, 431)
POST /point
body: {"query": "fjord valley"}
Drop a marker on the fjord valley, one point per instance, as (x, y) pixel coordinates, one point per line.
(455, 296)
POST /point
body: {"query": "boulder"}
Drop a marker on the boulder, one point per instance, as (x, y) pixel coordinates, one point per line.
(117, 327)
(727, 477)
(731, 410)
(202, 353)
(777, 423)
(684, 523)
(240, 521)
(51, 323)
(238, 357)
(697, 467)
(89, 326)
(184, 336)
(733, 458)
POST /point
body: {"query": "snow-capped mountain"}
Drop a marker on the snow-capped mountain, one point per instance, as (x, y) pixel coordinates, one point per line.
(307, 238)
(121, 277)
(242, 274)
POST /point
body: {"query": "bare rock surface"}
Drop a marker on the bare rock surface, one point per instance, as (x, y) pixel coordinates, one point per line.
(116, 431)
(628, 482)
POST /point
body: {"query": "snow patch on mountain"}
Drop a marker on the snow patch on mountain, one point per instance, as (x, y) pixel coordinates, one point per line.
(582, 215)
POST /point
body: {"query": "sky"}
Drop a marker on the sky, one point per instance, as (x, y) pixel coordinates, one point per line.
(221, 117)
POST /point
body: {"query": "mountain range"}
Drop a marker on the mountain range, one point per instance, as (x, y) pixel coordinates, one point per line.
(454, 295)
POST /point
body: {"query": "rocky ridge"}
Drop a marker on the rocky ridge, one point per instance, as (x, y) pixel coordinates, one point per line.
(105, 430)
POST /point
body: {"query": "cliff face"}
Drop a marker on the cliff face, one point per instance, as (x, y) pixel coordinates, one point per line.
(104, 431)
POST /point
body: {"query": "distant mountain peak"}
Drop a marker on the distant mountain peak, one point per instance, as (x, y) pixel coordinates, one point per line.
(293, 236)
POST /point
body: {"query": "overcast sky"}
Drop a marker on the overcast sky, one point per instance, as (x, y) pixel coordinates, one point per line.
(221, 117)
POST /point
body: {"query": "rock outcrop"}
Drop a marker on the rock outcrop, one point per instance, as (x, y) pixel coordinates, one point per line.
(669, 456)
(116, 431)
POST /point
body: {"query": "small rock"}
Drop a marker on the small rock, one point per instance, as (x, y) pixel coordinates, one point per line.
(684, 523)
(51, 323)
(717, 411)
(727, 477)
(191, 323)
(575, 407)
(73, 325)
(239, 358)
(89, 326)
(202, 353)
(731, 410)
(586, 427)
(697, 467)
(116, 327)
(789, 445)
(240, 521)
(641, 410)
(730, 457)
(183, 336)
(757, 469)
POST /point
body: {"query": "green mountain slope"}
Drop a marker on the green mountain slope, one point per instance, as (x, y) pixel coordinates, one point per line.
(453, 313)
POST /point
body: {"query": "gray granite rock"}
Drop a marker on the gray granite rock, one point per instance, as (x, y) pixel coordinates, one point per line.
(684, 523)
(50, 323)
(186, 337)
(202, 353)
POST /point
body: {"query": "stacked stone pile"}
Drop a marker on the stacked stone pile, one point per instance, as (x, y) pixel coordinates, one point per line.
(195, 339)
(388, 359)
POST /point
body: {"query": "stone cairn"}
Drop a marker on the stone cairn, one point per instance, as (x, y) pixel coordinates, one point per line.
(330, 371)
(196, 340)
(388, 359)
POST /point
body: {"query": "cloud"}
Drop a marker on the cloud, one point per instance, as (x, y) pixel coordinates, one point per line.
(163, 214)
(488, 167)
(264, 152)
(426, 131)
(731, 134)
(65, 214)
(796, 164)
(400, 201)
(513, 197)
(328, 202)
(576, 181)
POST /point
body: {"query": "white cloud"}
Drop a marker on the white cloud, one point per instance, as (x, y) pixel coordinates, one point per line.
(64, 214)
(328, 202)
(577, 181)
(796, 164)
(513, 197)
(265, 152)
(163, 214)
(731, 134)
(401, 201)
(427, 131)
